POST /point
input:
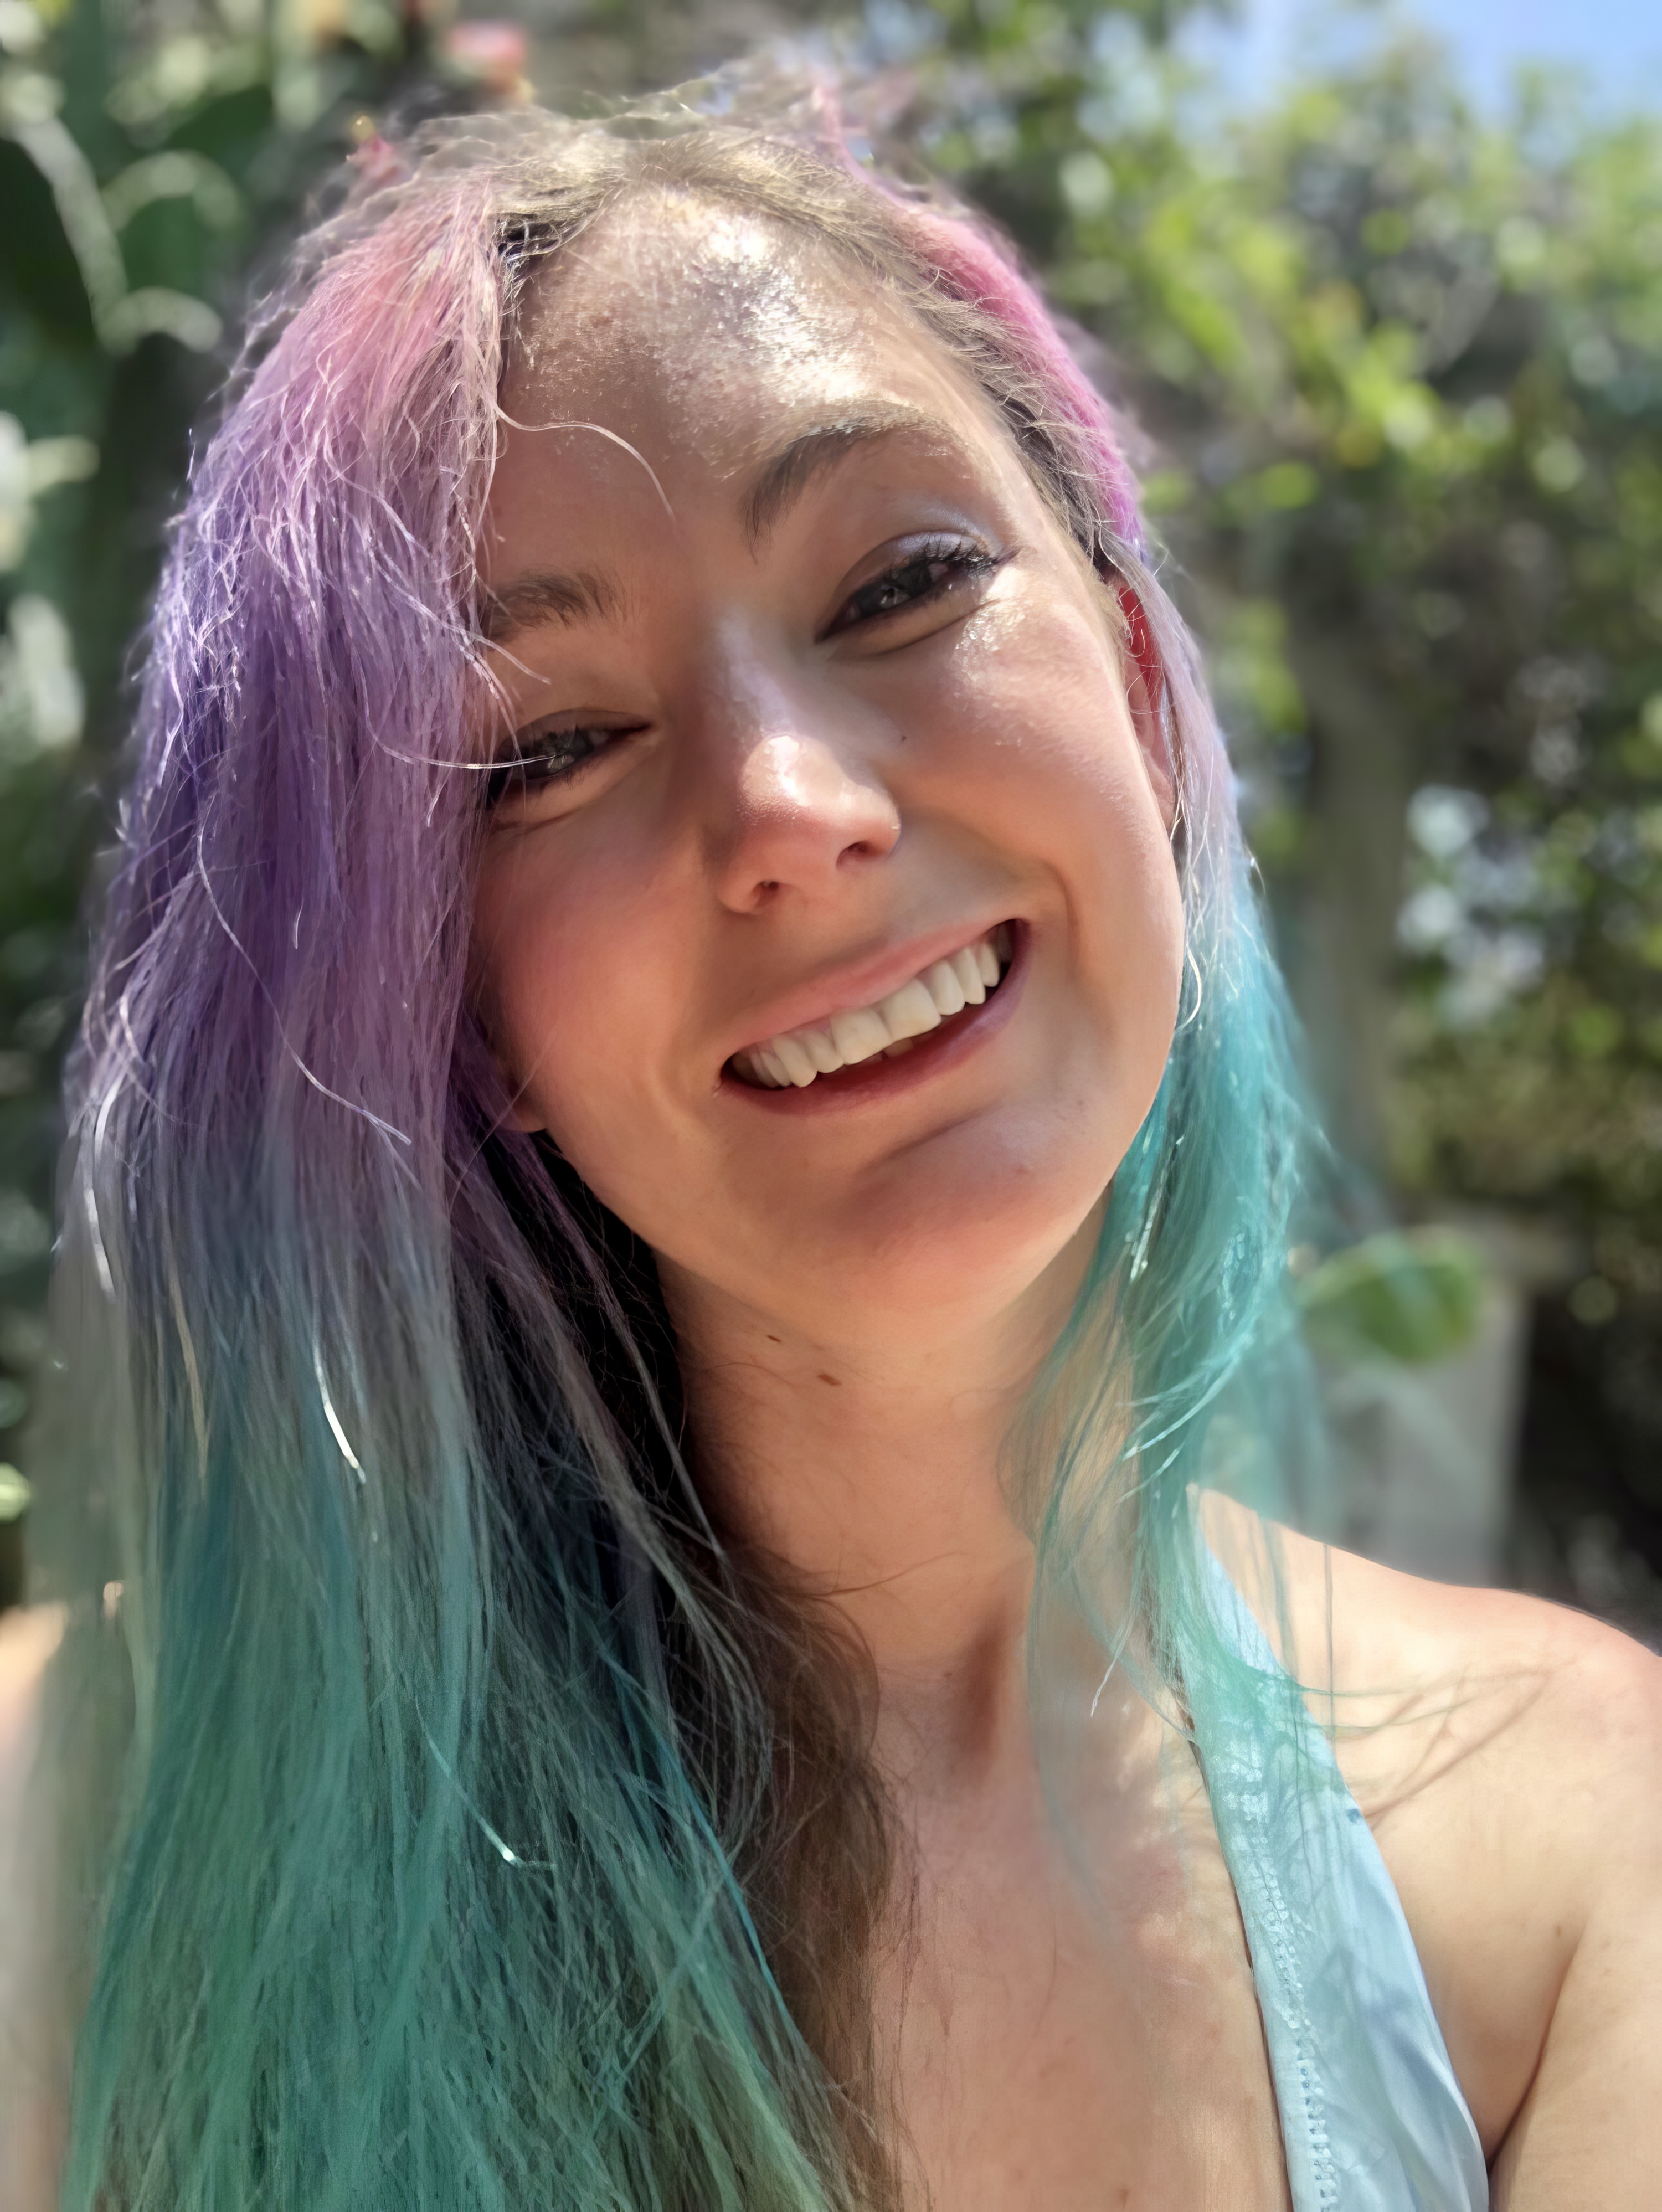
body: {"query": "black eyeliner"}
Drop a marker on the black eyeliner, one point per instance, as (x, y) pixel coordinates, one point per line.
(523, 763)
(962, 558)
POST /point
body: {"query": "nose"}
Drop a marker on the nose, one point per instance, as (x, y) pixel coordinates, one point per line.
(798, 806)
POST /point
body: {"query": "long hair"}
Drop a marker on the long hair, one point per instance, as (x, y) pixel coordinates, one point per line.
(485, 1831)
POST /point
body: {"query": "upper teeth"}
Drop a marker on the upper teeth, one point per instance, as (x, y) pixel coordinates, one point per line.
(944, 987)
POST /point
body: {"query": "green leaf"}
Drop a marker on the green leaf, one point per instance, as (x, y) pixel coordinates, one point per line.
(1411, 1296)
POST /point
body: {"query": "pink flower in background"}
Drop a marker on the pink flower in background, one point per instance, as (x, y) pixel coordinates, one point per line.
(493, 53)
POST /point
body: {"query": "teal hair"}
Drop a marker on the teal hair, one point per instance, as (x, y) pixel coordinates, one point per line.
(485, 1834)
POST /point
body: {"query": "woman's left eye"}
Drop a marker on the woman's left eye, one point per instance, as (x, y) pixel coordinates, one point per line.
(924, 573)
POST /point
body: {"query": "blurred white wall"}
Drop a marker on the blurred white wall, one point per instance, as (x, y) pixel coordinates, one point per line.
(1429, 1454)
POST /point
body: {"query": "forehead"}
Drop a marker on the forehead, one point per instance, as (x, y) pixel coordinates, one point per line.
(708, 332)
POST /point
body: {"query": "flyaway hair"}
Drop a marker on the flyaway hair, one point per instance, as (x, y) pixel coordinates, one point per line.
(481, 1831)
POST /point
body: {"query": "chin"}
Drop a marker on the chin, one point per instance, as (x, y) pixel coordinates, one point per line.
(961, 1228)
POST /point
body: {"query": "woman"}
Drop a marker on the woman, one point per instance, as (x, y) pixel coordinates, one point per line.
(683, 1158)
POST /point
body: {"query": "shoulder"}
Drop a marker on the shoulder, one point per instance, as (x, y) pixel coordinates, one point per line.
(1498, 1678)
(30, 2091)
(1507, 1754)
(28, 1637)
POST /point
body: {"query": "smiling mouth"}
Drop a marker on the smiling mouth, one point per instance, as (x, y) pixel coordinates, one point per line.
(936, 996)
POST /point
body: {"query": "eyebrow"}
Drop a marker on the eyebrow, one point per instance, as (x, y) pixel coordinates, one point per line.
(548, 595)
(782, 480)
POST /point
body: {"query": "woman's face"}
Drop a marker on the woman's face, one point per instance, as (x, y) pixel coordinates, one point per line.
(815, 715)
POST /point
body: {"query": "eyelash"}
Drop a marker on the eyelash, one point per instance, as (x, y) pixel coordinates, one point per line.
(956, 558)
(535, 764)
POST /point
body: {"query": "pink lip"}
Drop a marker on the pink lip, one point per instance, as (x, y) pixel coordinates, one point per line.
(930, 1055)
(860, 984)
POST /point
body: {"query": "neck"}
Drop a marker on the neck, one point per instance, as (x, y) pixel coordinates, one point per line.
(868, 1465)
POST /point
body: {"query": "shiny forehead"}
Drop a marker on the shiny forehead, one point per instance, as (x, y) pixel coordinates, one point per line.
(669, 252)
(745, 327)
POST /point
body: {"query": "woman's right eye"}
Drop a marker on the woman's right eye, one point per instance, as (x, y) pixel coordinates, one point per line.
(550, 753)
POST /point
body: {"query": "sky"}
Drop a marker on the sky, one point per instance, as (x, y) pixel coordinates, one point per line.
(1616, 43)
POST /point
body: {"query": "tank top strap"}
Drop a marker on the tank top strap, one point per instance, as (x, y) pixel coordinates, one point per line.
(1373, 2117)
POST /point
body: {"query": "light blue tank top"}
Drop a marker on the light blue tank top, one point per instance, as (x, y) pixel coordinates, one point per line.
(1372, 2116)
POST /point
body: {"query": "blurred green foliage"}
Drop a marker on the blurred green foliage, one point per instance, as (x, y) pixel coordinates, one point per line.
(1398, 371)
(1409, 1296)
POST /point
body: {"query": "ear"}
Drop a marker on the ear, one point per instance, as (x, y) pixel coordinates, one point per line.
(1148, 696)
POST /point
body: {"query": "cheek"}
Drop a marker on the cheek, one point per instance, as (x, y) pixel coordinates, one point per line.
(1028, 702)
(1028, 728)
(577, 968)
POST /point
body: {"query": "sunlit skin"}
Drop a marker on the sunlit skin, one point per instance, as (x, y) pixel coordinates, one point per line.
(784, 804)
